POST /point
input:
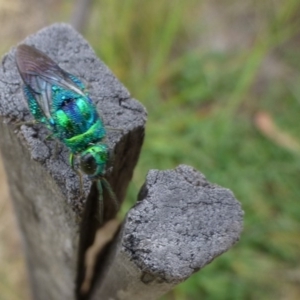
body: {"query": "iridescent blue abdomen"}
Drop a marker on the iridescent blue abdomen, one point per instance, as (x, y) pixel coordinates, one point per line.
(75, 120)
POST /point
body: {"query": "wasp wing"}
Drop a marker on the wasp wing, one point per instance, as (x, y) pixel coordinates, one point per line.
(39, 73)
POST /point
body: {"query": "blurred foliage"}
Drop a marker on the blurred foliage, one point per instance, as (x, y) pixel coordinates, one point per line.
(206, 70)
(202, 102)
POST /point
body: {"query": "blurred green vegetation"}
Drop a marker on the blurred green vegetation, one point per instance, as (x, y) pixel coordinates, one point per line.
(203, 104)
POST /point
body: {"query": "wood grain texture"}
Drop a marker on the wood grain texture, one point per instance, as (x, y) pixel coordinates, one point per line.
(57, 224)
(180, 223)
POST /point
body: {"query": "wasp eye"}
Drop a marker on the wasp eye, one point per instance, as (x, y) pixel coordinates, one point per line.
(88, 164)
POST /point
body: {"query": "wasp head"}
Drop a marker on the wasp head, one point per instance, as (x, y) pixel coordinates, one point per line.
(93, 160)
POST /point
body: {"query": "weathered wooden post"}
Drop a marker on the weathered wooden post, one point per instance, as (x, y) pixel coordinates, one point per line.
(180, 223)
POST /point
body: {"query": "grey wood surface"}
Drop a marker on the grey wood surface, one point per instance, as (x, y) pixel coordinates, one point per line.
(180, 223)
(57, 224)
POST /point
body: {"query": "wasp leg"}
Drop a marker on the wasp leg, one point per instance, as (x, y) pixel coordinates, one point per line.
(71, 162)
(111, 193)
(80, 183)
(48, 137)
(114, 129)
(101, 204)
(19, 124)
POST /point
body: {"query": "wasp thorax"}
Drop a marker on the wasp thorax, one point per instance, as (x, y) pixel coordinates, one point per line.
(93, 160)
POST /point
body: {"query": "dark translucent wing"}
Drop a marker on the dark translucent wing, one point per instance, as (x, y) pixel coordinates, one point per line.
(39, 72)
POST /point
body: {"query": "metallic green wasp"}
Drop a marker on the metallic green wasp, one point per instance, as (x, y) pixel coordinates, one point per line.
(59, 100)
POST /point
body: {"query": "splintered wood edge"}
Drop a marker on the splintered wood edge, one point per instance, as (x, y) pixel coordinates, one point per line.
(180, 223)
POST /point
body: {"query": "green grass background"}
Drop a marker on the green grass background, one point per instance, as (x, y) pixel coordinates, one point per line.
(201, 103)
(204, 69)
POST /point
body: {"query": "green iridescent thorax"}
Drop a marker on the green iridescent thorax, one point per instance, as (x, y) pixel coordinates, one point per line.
(94, 159)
